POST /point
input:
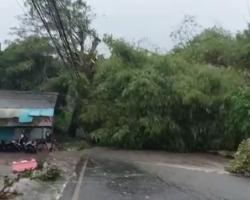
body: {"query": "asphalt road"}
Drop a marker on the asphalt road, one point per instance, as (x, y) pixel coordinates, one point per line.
(118, 177)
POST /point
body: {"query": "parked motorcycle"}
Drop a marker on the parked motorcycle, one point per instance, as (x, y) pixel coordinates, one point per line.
(12, 146)
(27, 146)
(30, 147)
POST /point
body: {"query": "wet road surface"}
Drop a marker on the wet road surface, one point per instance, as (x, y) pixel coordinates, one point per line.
(116, 178)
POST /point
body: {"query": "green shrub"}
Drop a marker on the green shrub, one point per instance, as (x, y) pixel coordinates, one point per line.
(46, 173)
(241, 162)
(214, 46)
(63, 121)
(237, 118)
(50, 173)
(145, 100)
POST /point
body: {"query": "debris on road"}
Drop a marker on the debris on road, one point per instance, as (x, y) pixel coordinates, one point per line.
(24, 165)
(7, 191)
(48, 172)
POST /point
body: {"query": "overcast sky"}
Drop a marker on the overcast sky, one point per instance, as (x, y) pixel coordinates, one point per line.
(148, 20)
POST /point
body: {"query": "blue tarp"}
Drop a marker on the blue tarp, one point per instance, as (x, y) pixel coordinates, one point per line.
(48, 112)
(27, 115)
(25, 118)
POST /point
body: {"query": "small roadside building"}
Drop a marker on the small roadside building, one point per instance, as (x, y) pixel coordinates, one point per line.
(28, 113)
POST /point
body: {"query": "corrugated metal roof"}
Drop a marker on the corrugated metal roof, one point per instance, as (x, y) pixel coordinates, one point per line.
(27, 99)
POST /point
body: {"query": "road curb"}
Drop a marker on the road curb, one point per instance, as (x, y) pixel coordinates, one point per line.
(77, 190)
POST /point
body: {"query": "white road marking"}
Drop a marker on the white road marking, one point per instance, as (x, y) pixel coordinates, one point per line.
(193, 168)
(60, 194)
(76, 194)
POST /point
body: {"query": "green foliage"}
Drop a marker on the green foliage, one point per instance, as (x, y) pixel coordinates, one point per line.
(50, 173)
(212, 46)
(26, 64)
(217, 47)
(241, 162)
(47, 173)
(63, 121)
(238, 124)
(144, 100)
(72, 95)
(243, 48)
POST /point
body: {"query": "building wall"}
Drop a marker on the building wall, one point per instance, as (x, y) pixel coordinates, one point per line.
(7, 134)
(14, 133)
(31, 121)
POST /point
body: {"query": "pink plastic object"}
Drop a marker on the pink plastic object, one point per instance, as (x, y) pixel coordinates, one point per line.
(24, 165)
